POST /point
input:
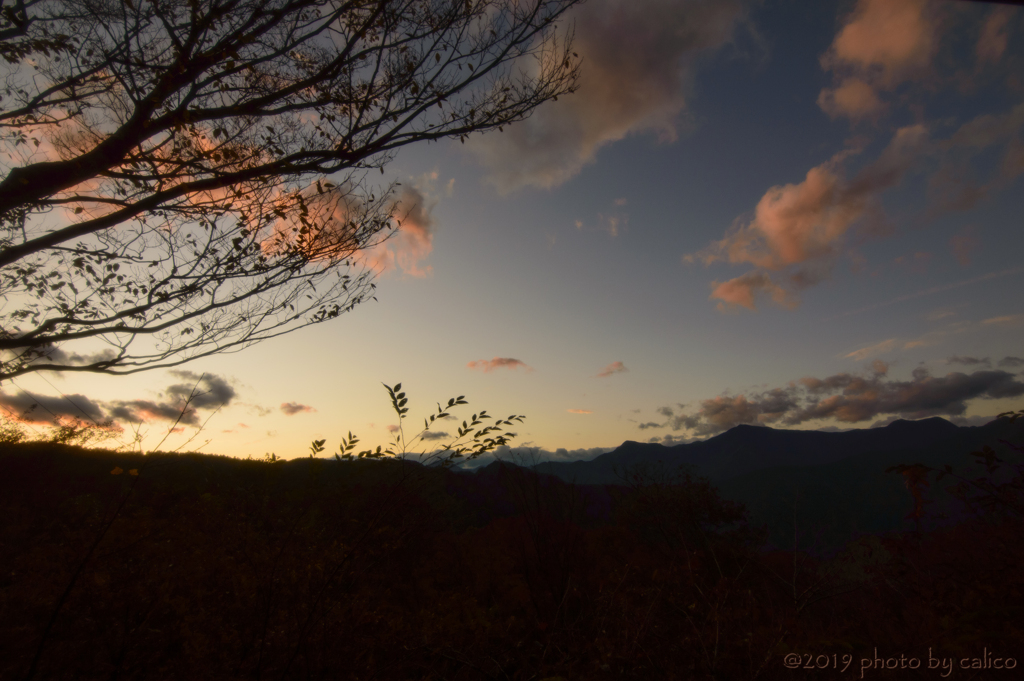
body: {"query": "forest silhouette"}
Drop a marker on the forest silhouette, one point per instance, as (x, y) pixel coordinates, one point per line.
(122, 565)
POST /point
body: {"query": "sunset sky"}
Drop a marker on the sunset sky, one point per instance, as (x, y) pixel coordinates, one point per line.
(798, 214)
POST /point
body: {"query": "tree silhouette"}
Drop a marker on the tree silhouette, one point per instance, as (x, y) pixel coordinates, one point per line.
(166, 191)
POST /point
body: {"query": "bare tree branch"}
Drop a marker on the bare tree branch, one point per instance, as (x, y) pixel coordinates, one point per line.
(186, 178)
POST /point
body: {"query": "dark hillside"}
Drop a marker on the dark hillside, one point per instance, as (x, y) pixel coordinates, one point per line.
(120, 565)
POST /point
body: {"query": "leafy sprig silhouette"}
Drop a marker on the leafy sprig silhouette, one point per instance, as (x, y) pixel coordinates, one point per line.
(470, 443)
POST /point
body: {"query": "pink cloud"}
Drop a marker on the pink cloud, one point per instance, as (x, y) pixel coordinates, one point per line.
(854, 99)
(638, 64)
(59, 137)
(613, 368)
(895, 38)
(741, 291)
(882, 44)
(579, 411)
(489, 365)
(801, 228)
(795, 222)
(413, 239)
(337, 214)
(334, 212)
(292, 408)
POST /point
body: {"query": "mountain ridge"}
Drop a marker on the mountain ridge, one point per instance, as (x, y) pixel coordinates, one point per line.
(745, 449)
(833, 485)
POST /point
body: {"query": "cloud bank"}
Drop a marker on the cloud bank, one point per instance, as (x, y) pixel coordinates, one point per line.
(847, 398)
(970, 361)
(638, 65)
(211, 393)
(32, 408)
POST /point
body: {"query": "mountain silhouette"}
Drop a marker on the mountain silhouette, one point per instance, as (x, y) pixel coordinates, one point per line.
(825, 486)
(746, 449)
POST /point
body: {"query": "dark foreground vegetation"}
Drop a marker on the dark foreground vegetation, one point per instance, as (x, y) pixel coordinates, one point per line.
(203, 567)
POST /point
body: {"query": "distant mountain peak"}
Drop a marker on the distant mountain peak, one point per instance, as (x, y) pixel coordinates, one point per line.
(743, 430)
(932, 422)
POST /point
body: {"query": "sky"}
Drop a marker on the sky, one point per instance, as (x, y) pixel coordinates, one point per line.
(781, 213)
